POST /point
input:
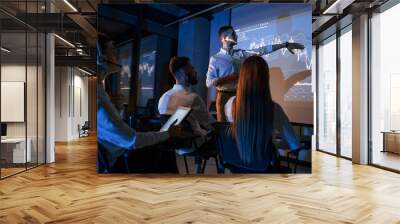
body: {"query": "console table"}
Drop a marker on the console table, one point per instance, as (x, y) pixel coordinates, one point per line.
(13, 150)
(391, 141)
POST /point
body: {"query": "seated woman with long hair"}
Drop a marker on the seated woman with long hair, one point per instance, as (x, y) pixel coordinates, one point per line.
(256, 118)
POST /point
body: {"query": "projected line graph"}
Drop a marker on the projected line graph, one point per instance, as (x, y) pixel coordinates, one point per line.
(276, 25)
(146, 69)
(301, 91)
(146, 65)
(253, 41)
(146, 77)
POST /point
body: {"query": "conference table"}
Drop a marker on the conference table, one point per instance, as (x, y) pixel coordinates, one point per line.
(13, 150)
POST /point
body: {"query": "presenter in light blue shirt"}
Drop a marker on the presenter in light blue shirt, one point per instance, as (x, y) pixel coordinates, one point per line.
(223, 68)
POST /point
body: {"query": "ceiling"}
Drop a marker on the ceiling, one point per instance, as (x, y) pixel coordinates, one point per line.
(16, 42)
(77, 22)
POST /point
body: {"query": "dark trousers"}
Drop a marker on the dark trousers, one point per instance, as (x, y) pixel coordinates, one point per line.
(152, 159)
(222, 98)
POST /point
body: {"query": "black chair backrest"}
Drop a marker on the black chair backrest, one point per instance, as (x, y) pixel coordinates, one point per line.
(229, 153)
(151, 110)
(86, 125)
(102, 162)
(212, 107)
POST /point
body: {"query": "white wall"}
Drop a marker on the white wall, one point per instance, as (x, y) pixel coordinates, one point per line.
(12, 73)
(314, 90)
(71, 102)
(16, 73)
(33, 126)
(80, 112)
(62, 81)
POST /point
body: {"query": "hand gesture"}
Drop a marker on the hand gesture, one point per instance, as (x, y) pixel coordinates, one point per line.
(231, 78)
(293, 46)
(174, 131)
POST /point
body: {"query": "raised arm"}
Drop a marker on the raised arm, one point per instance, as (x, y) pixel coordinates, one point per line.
(272, 48)
(231, 78)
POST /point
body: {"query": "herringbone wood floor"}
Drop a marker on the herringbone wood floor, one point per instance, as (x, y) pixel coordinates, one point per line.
(70, 191)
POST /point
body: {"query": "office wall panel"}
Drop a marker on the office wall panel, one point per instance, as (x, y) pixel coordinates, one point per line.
(22, 65)
(327, 96)
(385, 86)
(71, 102)
(345, 94)
(12, 98)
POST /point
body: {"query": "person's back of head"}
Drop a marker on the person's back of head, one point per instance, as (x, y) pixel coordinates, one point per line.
(105, 47)
(183, 71)
(106, 60)
(253, 112)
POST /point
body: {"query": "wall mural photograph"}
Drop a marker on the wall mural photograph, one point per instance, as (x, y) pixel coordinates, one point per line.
(223, 92)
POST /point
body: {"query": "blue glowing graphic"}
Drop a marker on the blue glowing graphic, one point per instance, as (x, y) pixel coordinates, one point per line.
(260, 25)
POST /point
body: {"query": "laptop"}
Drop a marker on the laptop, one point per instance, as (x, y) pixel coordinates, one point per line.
(180, 115)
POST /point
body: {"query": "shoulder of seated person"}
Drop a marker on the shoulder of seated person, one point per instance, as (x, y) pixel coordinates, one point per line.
(278, 108)
(231, 100)
(195, 97)
(168, 92)
(185, 93)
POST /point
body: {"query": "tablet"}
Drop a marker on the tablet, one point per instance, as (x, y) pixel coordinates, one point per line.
(180, 114)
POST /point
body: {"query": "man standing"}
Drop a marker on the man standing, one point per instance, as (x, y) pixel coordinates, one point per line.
(223, 68)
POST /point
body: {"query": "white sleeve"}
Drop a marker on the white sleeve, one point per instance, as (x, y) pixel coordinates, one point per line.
(162, 108)
(228, 109)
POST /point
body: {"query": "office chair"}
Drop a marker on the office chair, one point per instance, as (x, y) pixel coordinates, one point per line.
(151, 107)
(177, 144)
(213, 109)
(148, 117)
(306, 141)
(229, 154)
(183, 147)
(84, 129)
(295, 154)
(292, 156)
(103, 165)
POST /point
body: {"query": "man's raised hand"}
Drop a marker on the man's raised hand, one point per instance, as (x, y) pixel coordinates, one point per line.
(294, 46)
